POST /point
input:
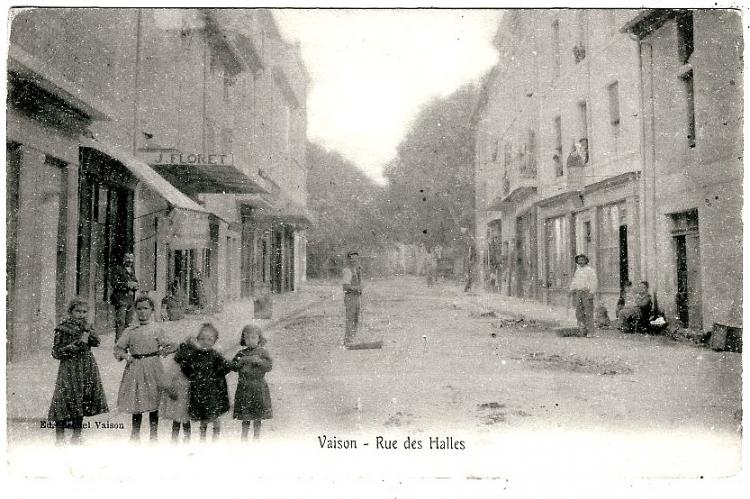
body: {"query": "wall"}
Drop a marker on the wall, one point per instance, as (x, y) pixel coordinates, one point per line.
(707, 177)
(525, 91)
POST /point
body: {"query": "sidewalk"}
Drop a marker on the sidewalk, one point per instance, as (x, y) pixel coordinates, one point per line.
(30, 382)
(512, 307)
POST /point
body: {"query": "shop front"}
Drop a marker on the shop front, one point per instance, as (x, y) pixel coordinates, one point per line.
(45, 116)
(230, 256)
(555, 222)
(287, 221)
(608, 229)
(255, 266)
(126, 207)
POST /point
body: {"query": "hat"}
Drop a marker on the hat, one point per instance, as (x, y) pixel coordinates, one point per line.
(581, 256)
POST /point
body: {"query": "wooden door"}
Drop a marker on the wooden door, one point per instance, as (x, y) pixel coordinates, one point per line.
(694, 282)
(623, 256)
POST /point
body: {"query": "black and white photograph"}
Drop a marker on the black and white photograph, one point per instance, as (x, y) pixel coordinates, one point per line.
(324, 244)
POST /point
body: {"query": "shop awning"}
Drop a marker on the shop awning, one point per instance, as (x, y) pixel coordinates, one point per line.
(147, 175)
(254, 201)
(208, 178)
(28, 67)
(289, 212)
(190, 226)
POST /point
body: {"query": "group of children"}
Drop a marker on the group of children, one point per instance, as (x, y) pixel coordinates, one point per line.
(192, 387)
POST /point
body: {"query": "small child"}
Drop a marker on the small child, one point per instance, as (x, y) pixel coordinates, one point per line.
(175, 405)
(140, 389)
(252, 400)
(206, 370)
(78, 390)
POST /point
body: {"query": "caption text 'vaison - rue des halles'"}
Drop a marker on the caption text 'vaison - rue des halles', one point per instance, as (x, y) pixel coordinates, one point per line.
(382, 443)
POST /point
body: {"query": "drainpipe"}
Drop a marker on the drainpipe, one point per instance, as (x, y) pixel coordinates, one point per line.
(137, 78)
(645, 171)
(645, 271)
(653, 167)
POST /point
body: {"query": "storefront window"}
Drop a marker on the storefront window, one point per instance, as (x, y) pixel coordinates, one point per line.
(612, 235)
(558, 253)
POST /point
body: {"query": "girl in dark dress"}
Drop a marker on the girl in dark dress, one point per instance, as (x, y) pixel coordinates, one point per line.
(252, 400)
(206, 369)
(78, 390)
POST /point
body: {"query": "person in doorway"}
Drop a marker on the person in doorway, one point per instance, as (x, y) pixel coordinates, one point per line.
(470, 261)
(583, 288)
(124, 286)
(351, 282)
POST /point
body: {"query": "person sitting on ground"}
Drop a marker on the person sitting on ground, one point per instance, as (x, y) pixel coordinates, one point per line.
(601, 318)
(635, 313)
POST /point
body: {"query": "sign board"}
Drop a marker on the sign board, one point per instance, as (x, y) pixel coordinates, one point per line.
(192, 159)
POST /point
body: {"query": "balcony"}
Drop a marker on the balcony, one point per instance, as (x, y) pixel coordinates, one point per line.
(519, 182)
(572, 180)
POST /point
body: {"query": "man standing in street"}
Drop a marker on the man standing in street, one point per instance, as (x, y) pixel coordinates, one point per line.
(583, 287)
(124, 286)
(352, 285)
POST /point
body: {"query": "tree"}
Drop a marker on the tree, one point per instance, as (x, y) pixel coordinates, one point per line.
(430, 191)
(346, 202)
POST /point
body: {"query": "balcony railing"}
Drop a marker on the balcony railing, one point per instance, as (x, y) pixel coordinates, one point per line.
(521, 178)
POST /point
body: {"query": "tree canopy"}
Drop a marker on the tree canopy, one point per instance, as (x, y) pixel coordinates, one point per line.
(346, 202)
(430, 193)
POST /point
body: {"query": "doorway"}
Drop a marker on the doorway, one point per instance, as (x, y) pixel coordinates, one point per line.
(105, 230)
(624, 270)
(276, 261)
(689, 297)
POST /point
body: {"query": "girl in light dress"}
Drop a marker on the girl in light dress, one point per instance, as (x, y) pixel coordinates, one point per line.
(140, 346)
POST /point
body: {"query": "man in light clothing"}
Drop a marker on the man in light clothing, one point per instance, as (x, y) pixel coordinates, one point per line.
(583, 287)
(351, 281)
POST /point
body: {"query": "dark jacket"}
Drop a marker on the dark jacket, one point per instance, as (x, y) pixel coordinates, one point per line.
(78, 389)
(206, 370)
(121, 293)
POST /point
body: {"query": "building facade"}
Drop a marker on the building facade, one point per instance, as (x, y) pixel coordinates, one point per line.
(177, 135)
(692, 108)
(558, 164)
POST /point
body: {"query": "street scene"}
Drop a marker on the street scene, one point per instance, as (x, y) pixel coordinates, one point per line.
(254, 229)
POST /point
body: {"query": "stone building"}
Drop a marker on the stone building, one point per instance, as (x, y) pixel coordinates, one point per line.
(558, 162)
(691, 78)
(177, 135)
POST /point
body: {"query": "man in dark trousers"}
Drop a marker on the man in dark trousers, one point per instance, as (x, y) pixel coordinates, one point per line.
(124, 286)
(351, 281)
(583, 288)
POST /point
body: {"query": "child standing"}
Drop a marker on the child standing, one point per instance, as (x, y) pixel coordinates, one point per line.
(78, 390)
(252, 400)
(206, 370)
(140, 389)
(175, 405)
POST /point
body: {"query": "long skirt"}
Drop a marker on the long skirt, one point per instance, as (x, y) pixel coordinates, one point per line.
(252, 400)
(140, 388)
(78, 390)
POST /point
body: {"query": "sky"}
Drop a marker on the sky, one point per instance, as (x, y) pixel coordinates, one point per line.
(372, 70)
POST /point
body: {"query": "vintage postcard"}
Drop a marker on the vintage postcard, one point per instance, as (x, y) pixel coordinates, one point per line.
(472, 244)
